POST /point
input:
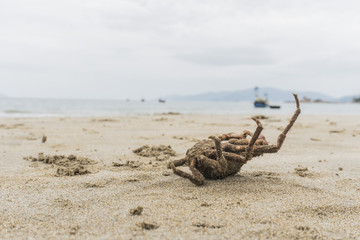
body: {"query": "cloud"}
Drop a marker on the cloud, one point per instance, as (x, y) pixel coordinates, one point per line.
(228, 57)
(143, 48)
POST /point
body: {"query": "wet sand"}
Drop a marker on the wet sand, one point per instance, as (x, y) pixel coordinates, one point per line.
(309, 190)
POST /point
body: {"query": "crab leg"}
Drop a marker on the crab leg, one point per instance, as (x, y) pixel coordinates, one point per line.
(177, 163)
(234, 157)
(239, 141)
(282, 136)
(196, 176)
(234, 148)
(248, 151)
(219, 154)
(228, 136)
(260, 141)
(228, 156)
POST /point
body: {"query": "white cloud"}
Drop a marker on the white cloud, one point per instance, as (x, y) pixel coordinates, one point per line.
(138, 48)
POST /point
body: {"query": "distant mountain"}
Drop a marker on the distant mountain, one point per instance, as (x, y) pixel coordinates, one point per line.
(248, 95)
(348, 98)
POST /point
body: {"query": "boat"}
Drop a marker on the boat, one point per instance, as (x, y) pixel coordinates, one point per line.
(260, 103)
(161, 100)
(274, 106)
(263, 102)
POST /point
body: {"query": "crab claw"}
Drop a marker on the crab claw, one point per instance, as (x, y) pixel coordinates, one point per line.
(212, 137)
(216, 140)
(257, 122)
(296, 100)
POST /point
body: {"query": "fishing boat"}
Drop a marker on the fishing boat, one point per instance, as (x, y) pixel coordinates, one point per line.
(274, 106)
(161, 100)
(260, 103)
(263, 102)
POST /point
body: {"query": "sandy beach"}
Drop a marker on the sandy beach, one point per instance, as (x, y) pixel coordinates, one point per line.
(92, 189)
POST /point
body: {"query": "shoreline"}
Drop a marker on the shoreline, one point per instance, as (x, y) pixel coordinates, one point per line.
(119, 116)
(94, 108)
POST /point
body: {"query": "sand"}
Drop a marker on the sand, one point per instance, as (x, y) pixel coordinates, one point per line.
(309, 190)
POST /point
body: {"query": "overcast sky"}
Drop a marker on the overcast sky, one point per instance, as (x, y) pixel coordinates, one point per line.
(151, 48)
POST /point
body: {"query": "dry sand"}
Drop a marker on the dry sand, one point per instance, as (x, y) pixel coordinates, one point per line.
(309, 190)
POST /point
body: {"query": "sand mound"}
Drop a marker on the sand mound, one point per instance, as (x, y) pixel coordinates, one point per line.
(161, 152)
(67, 165)
(302, 172)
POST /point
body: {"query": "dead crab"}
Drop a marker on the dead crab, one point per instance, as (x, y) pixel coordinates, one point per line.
(223, 156)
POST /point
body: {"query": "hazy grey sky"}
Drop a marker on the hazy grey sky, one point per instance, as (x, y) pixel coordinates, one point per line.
(148, 48)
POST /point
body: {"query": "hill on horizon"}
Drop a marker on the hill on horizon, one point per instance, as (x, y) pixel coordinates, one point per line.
(249, 95)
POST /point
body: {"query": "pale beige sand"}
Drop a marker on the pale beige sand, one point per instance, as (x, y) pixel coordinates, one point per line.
(267, 199)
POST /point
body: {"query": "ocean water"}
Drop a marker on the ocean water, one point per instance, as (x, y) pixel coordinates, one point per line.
(17, 107)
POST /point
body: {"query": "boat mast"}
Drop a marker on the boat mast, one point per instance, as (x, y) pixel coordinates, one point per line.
(256, 92)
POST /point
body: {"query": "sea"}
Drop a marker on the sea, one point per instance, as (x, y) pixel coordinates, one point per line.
(21, 107)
